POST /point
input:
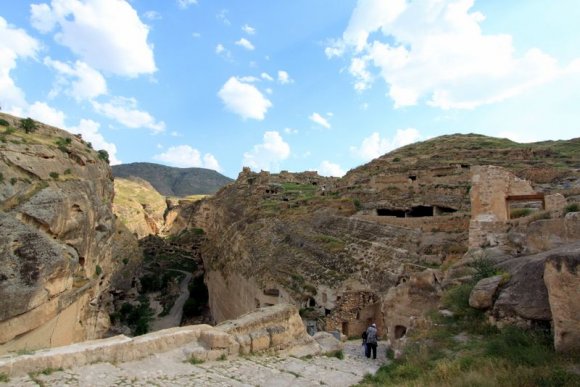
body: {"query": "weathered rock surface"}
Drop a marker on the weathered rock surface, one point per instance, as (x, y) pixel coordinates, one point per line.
(57, 238)
(562, 279)
(483, 293)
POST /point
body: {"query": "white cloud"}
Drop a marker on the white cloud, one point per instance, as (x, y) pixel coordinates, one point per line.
(152, 15)
(183, 4)
(248, 29)
(14, 44)
(224, 52)
(106, 34)
(374, 145)
(80, 80)
(318, 119)
(245, 43)
(124, 110)
(40, 111)
(268, 155)
(89, 129)
(327, 168)
(290, 131)
(185, 156)
(435, 50)
(284, 78)
(266, 77)
(196, 35)
(518, 136)
(248, 79)
(244, 99)
(222, 16)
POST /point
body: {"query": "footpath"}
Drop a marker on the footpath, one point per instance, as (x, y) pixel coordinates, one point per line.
(169, 369)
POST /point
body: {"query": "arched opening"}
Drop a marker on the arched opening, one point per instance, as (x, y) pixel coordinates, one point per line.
(390, 212)
(420, 211)
(311, 302)
(345, 328)
(400, 331)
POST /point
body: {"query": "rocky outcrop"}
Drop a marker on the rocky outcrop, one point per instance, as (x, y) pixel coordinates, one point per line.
(483, 294)
(273, 329)
(57, 238)
(562, 279)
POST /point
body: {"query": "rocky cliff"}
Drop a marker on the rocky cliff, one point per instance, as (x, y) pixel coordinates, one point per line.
(57, 239)
(335, 247)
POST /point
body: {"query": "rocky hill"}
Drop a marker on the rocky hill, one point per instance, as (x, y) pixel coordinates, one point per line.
(337, 247)
(170, 181)
(58, 245)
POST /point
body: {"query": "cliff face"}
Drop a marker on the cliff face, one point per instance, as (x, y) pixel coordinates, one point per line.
(334, 247)
(57, 237)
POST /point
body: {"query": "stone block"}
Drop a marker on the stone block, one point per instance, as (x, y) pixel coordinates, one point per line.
(483, 294)
(260, 340)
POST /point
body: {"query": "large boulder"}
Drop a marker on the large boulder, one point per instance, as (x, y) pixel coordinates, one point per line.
(562, 279)
(483, 294)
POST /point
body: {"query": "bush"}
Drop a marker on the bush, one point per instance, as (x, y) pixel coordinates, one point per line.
(98, 270)
(54, 175)
(1, 178)
(3, 122)
(194, 360)
(572, 207)
(67, 171)
(357, 204)
(63, 143)
(520, 212)
(4, 378)
(13, 180)
(484, 268)
(531, 348)
(28, 125)
(103, 155)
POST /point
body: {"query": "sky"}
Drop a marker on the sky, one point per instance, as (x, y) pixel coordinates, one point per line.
(291, 85)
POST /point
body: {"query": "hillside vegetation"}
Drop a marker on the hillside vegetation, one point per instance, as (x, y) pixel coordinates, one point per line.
(170, 181)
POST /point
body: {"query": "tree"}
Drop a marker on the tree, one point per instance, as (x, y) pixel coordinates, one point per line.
(28, 125)
(103, 155)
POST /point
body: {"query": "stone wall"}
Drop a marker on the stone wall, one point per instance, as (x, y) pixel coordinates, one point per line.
(353, 313)
(277, 328)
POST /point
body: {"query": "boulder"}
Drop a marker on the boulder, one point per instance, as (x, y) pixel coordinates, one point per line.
(328, 342)
(562, 279)
(483, 293)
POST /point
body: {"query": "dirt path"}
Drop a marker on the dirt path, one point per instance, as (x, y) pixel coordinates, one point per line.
(173, 319)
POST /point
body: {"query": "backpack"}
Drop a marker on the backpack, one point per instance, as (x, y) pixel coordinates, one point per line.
(371, 335)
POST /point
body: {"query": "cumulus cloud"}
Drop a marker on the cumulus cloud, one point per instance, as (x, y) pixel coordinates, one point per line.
(183, 4)
(15, 44)
(268, 155)
(106, 34)
(184, 156)
(245, 43)
(125, 111)
(318, 119)
(152, 15)
(374, 145)
(284, 78)
(42, 112)
(248, 29)
(435, 50)
(327, 168)
(79, 80)
(244, 99)
(290, 131)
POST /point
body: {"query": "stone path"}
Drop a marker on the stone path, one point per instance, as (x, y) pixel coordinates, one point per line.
(169, 369)
(173, 318)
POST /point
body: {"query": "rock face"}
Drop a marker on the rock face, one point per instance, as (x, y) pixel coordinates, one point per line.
(56, 240)
(562, 279)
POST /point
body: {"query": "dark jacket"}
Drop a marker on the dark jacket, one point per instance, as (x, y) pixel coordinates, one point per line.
(371, 335)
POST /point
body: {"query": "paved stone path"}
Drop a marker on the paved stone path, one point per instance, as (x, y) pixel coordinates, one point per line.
(169, 369)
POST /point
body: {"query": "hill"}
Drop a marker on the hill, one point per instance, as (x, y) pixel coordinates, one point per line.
(170, 181)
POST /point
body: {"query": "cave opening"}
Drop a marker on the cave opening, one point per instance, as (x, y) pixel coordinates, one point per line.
(441, 210)
(420, 211)
(400, 331)
(390, 212)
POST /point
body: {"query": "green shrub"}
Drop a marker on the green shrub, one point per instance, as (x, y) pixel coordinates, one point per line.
(339, 354)
(1, 178)
(103, 155)
(125, 261)
(63, 143)
(3, 122)
(28, 125)
(54, 175)
(10, 130)
(67, 171)
(357, 204)
(572, 207)
(222, 357)
(13, 180)
(484, 268)
(4, 378)
(198, 231)
(98, 270)
(194, 360)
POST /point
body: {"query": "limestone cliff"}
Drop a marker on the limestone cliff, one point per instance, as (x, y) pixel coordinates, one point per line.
(336, 246)
(56, 242)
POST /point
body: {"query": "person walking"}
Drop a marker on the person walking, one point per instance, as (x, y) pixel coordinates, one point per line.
(371, 341)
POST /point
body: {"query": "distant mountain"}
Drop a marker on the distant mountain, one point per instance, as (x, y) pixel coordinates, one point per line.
(170, 181)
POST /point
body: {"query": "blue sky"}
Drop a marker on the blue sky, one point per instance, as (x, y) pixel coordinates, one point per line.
(290, 84)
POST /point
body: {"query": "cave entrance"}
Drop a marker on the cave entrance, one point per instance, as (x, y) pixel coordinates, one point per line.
(390, 212)
(420, 211)
(523, 205)
(441, 210)
(400, 331)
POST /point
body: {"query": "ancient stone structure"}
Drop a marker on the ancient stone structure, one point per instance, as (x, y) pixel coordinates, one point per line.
(272, 329)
